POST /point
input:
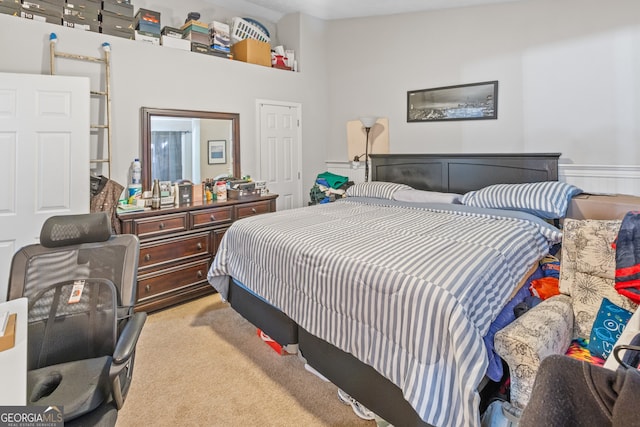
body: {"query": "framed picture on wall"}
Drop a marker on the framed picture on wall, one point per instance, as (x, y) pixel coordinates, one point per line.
(473, 101)
(217, 150)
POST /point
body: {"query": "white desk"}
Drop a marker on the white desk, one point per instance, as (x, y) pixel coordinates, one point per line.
(13, 362)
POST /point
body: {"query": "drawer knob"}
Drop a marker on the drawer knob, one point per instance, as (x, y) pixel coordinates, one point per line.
(161, 226)
(199, 246)
(253, 210)
(199, 274)
(213, 218)
(147, 288)
(147, 257)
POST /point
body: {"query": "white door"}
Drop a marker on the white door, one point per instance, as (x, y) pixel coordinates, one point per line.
(44, 157)
(280, 152)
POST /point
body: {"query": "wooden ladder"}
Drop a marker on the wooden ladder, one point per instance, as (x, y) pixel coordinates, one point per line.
(106, 95)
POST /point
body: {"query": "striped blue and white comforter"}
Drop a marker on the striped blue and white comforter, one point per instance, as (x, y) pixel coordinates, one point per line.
(408, 290)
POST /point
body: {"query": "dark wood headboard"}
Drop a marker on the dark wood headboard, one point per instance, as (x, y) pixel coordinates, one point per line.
(459, 173)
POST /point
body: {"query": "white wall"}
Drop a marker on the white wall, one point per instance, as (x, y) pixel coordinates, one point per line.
(159, 77)
(568, 75)
(568, 72)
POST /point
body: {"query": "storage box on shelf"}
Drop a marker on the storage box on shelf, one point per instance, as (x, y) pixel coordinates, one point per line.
(90, 7)
(196, 32)
(10, 7)
(148, 37)
(120, 8)
(10, 10)
(171, 32)
(177, 43)
(220, 39)
(89, 15)
(252, 51)
(43, 11)
(116, 25)
(82, 16)
(148, 21)
(178, 244)
(81, 22)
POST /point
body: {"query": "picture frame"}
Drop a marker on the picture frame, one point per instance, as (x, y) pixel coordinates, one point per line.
(217, 151)
(472, 101)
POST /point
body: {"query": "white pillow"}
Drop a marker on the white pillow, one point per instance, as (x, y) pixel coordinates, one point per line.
(421, 196)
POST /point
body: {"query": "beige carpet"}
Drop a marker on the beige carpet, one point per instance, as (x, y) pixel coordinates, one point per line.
(202, 364)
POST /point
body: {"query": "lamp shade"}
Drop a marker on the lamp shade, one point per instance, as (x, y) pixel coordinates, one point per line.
(368, 121)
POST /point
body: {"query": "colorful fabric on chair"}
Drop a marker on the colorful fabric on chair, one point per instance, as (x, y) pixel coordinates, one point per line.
(579, 350)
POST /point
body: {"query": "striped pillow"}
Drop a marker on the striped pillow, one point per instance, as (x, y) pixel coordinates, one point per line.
(548, 199)
(377, 189)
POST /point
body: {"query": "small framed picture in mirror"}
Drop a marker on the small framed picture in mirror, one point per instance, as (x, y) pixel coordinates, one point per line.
(217, 150)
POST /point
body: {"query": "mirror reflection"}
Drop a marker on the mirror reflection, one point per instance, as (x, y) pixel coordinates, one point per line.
(188, 145)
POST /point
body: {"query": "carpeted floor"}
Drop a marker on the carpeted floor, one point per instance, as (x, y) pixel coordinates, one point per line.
(202, 364)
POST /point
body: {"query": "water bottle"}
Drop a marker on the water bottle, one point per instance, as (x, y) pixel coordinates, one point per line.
(155, 195)
(135, 172)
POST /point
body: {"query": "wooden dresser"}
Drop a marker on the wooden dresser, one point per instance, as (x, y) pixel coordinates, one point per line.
(178, 244)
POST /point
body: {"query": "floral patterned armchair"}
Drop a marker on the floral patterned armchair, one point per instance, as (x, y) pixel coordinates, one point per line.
(587, 274)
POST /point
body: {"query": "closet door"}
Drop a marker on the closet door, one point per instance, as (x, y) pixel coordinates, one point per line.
(44, 157)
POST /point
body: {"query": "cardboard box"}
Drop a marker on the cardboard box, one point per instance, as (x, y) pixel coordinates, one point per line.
(10, 10)
(42, 8)
(597, 206)
(175, 43)
(81, 23)
(118, 7)
(10, 7)
(205, 27)
(112, 22)
(199, 47)
(171, 32)
(126, 33)
(220, 39)
(84, 4)
(81, 15)
(147, 38)
(252, 51)
(148, 15)
(37, 15)
(148, 27)
(196, 37)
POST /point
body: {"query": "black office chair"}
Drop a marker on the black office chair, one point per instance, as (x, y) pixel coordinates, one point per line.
(80, 282)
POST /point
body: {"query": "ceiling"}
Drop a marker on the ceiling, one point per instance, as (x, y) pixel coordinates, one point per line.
(340, 9)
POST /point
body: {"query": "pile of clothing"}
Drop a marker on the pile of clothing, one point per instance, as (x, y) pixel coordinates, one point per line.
(329, 187)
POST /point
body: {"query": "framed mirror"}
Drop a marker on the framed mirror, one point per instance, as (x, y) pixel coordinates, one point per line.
(188, 145)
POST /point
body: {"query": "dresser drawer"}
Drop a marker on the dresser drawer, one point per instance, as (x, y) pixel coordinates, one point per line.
(250, 209)
(147, 227)
(172, 279)
(207, 217)
(174, 250)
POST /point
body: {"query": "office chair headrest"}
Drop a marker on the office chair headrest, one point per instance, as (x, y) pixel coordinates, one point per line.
(64, 230)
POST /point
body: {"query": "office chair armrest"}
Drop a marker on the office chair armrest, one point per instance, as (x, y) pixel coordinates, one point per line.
(129, 338)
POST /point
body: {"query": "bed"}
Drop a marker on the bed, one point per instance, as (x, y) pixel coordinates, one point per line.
(389, 299)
